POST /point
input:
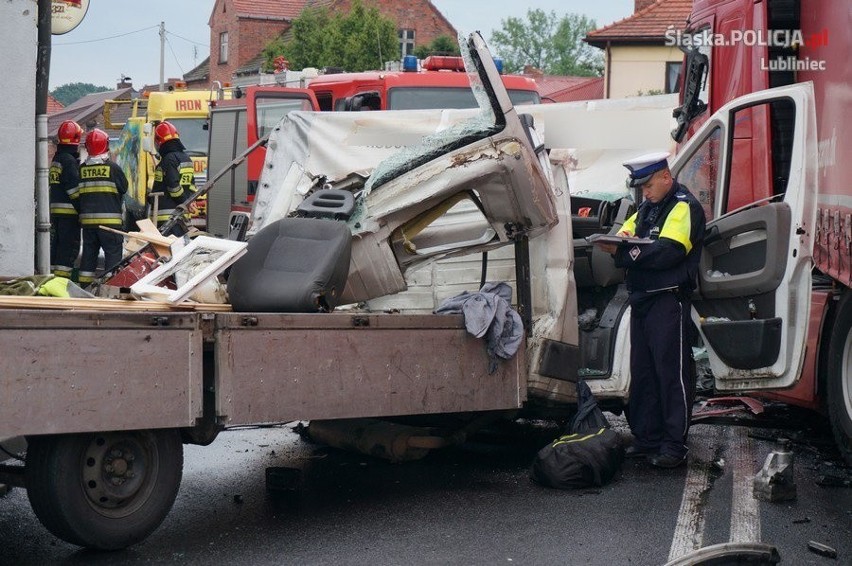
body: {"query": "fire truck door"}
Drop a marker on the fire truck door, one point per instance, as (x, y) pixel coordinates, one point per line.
(753, 299)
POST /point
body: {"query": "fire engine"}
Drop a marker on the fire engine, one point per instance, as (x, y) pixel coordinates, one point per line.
(440, 82)
(743, 46)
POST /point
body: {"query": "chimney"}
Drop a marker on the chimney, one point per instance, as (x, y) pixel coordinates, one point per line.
(640, 5)
(534, 72)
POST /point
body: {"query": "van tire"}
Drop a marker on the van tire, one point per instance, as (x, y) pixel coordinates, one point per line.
(104, 491)
(839, 386)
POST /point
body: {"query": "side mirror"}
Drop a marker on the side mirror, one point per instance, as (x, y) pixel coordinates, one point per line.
(364, 101)
(695, 73)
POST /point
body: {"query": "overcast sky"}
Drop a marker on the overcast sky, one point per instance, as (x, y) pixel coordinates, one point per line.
(121, 37)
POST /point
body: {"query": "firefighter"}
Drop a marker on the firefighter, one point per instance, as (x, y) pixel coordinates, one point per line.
(174, 176)
(660, 279)
(102, 187)
(64, 220)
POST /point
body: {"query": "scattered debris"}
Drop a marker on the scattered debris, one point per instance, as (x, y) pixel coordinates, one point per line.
(774, 482)
(822, 549)
(721, 406)
(830, 476)
(802, 520)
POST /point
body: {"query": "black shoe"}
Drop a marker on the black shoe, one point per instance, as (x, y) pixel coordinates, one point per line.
(667, 461)
(637, 452)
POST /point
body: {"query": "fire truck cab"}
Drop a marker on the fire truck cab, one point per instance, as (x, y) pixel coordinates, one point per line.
(439, 82)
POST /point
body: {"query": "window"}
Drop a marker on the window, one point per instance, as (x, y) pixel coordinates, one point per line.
(672, 77)
(223, 47)
(271, 110)
(700, 172)
(406, 41)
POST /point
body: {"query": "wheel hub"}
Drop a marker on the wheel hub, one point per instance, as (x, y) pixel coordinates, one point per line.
(115, 472)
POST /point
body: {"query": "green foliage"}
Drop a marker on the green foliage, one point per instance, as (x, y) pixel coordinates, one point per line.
(651, 92)
(443, 44)
(360, 40)
(548, 42)
(72, 92)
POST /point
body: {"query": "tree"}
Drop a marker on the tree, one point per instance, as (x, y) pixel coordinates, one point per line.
(443, 44)
(72, 92)
(548, 42)
(360, 40)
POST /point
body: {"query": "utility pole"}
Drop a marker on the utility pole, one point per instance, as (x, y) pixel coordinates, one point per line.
(162, 54)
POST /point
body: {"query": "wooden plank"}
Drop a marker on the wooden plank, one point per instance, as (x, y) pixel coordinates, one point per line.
(99, 304)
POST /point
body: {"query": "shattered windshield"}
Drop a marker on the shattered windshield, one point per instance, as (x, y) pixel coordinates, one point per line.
(484, 124)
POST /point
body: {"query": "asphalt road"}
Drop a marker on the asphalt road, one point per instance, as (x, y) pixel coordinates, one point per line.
(473, 504)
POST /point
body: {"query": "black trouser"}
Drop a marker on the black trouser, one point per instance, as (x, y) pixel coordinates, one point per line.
(661, 377)
(93, 240)
(64, 244)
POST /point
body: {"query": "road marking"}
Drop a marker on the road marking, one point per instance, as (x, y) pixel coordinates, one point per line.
(745, 515)
(689, 530)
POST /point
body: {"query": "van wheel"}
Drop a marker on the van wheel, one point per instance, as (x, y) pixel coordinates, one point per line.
(104, 490)
(839, 389)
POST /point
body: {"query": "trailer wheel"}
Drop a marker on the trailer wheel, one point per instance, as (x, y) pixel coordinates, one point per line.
(839, 389)
(104, 490)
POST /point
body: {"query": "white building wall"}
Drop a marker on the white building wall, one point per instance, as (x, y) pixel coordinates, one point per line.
(18, 28)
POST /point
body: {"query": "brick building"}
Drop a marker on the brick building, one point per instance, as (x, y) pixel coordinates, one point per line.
(240, 29)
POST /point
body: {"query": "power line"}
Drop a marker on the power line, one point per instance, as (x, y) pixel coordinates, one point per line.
(105, 38)
(185, 39)
(175, 56)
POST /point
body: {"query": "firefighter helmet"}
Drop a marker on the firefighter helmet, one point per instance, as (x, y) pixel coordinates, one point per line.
(97, 142)
(164, 132)
(70, 133)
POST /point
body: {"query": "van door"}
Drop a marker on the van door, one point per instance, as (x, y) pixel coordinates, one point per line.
(753, 298)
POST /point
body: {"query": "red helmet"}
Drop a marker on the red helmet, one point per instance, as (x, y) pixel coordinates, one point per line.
(164, 132)
(70, 133)
(97, 142)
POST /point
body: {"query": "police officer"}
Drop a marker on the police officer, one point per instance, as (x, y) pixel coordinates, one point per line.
(174, 175)
(64, 178)
(102, 186)
(660, 279)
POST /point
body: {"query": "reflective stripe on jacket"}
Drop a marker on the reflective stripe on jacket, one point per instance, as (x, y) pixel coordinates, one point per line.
(102, 184)
(671, 262)
(63, 179)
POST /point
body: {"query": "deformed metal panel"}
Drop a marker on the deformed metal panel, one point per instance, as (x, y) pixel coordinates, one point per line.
(65, 372)
(303, 367)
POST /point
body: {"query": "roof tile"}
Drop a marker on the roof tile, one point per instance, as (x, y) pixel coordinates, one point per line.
(273, 9)
(649, 24)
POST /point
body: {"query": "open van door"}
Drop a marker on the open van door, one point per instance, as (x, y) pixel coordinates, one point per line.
(753, 298)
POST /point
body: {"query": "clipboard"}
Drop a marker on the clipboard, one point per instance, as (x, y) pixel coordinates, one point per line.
(614, 239)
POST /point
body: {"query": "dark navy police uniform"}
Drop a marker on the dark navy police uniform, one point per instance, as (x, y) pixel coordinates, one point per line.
(660, 279)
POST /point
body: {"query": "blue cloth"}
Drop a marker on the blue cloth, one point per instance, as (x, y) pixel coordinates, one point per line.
(489, 313)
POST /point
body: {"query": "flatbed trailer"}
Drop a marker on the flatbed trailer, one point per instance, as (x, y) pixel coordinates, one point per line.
(106, 399)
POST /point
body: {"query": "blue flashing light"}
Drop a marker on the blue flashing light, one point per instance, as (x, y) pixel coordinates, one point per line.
(499, 63)
(409, 63)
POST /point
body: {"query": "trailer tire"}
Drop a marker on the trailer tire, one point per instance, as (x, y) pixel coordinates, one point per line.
(839, 387)
(104, 491)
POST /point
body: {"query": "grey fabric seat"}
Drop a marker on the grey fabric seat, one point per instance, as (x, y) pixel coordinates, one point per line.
(293, 265)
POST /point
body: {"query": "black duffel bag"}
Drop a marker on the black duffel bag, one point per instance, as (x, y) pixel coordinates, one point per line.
(585, 459)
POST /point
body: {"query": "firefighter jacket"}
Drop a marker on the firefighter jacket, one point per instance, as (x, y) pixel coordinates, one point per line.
(670, 263)
(102, 186)
(174, 177)
(64, 178)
